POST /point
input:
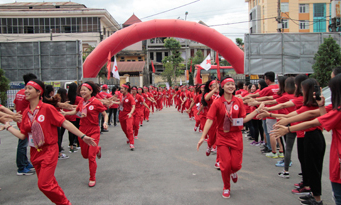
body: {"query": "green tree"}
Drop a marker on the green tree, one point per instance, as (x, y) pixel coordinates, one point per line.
(197, 59)
(327, 57)
(4, 86)
(103, 72)
(239, 42)
(224, 63)
(174, 58)
(168, 73)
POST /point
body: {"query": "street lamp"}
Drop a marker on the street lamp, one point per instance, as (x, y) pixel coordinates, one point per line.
(186, 13)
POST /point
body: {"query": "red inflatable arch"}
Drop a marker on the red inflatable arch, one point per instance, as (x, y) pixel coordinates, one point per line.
(163, 28)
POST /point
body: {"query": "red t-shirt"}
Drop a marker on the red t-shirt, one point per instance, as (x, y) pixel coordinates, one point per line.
(104, 94)
(271, 90)
(331, 121)
(93, 109)
(240, 91)
(329, 107)
(49, 119)
(218, 112)
(127, 103)
(73, 117)
(305, 109)
(20, 102)
(138, 104)
(285, 98)
(298, 101)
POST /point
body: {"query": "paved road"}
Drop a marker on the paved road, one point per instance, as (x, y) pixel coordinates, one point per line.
(165, 168)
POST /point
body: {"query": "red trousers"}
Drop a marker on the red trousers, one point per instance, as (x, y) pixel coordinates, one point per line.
(45, 163)
(202, 122)
(146, 112)
(127, 127)
(90, 152)
(136, 124)
(230, 162)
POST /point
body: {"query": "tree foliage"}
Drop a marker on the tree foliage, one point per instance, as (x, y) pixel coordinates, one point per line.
(239, 42)
(4, 86)
(326, 59)
(174, 58)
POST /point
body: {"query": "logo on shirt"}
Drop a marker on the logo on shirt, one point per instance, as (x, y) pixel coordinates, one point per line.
(126, 100)
(235, 107)
(91, 107)
(41, 118)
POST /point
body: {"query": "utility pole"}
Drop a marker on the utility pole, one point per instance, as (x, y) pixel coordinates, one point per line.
(279, 17)
(50, 34)
(186, 53)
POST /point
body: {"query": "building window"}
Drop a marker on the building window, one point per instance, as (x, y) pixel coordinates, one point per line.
(166, 53)
(319, 10)
(304, 25)
(159, 57)
(139, 59)
(151, 56)
(304, 8)
(285, 23)
(284, 7)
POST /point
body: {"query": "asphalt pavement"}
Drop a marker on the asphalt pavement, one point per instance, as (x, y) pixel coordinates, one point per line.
(165, 168)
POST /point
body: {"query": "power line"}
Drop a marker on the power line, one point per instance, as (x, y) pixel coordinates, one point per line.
(240, 22)
(171, 9)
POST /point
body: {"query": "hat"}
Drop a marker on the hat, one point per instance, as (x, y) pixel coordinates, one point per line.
(104, 86)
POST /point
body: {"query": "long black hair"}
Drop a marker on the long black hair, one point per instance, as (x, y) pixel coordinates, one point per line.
(308, 97)
(63, 94)
(48, 90)
(334, 85)
(262, 84)
(298, 81)
(94, 87)
(72, 93)
(28, 77)
(281, 82)
(207, 90)
(290, 85)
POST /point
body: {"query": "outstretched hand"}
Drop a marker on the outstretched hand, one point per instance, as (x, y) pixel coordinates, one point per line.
(90, 141)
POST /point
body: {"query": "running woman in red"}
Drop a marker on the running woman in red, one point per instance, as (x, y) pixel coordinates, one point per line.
(39, 125)
(147, 97)
(229, 113)
(127, 108)
(139, 108)
(88, 109)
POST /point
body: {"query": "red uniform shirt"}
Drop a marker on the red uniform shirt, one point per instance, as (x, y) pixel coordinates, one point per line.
(305, 109)
(127, 103)
(271, 90)
(138, 103)
(93, 109)
(298, 101)
(104, 94)
(285, 98)
(20, 102)
(240, 91)
(331, 121)
(49, 119)
(73, 117)
(218, 112)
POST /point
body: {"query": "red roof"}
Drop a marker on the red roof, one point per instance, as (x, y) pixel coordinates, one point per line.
(130, 66)
(133, 19)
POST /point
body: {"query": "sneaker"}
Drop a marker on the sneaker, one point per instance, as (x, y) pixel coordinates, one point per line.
(99, 153)
(141, 125)
(253, 143)
(73, 150)
(266, 150)
(306, 197)
(300, 174)
(104, 130)
(257, 144)
(195, 129)
(200, 131)
(214, 151)
(301, 191)
(25, 172)
(298, 185)
(208, 151)
(136, 137)
(281, 164)
(234, 177)
(63, 156)
(217, 166)
(62, 150)
(262, 142)
(272, 155)
(226, 193)
(284, 174)
(280, 155)
(312, 202)
(131, 147)
(30, 167)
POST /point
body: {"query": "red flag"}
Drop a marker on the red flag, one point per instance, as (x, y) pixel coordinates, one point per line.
(218, 66)
(109, 65)
(190, 69)
(153, 67)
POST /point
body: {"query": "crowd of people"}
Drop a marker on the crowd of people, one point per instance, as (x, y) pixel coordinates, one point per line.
(86, 111)
(270, 115)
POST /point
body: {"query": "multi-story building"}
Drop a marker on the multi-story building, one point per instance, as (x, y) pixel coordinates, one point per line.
(297, 15)
(58, 21)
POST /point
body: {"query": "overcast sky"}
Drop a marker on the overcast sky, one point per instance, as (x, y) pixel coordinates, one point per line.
(212, 12)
